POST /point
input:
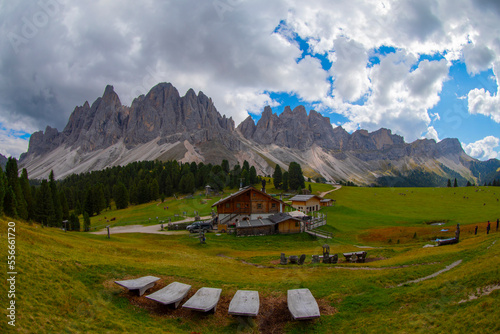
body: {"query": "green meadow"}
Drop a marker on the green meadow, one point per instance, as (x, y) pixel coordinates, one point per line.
(65, 279)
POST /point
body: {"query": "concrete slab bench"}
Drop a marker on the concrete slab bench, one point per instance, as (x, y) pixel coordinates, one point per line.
(171, 295)
(355, 256)
(204, 300)
(245, 303)
(140, 284)
(302, 304)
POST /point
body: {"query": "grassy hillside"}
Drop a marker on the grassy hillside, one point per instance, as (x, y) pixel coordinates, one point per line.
(65, 280)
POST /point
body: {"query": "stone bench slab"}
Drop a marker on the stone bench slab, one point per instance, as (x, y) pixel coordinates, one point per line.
(245, 303)
(140, 284)
(172, 294)
(302, 304)
(204, 300)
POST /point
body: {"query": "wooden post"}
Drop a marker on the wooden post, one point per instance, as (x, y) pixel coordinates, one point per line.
(108, 232)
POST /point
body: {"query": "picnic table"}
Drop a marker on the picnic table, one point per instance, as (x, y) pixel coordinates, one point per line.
(140, 284)
(245, 303)
(204, 300)
(355, 256)
(302, 304)
(171, 295)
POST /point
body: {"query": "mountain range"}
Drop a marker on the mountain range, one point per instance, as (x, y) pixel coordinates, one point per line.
(164, 125)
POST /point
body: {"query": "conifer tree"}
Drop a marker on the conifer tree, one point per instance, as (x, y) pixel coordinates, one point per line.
(44, 207)
(64, 205)
(56, 218)
(252, 175)
(86, 222)
(12, 174)
(10, 203)
(455, 184)
(74, 222)
(26, 189)
(120, 195)
(295, 177)
(3, 185)
(285, 184)
(277, 177)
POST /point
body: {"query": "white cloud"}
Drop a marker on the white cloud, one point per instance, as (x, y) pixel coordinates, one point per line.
(432, 134)
(483, 102)
(11, 144)
(233, 54)
(483, 149)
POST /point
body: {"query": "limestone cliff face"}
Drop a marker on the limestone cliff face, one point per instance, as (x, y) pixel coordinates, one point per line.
(292, 129)
(162, 114)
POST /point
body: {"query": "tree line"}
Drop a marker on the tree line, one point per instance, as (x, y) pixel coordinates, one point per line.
(51, 202)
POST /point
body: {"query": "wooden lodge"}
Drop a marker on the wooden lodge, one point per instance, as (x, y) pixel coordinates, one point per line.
(247, 204)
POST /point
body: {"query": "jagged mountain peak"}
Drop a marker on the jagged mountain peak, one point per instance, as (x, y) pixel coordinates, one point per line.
(164, 125)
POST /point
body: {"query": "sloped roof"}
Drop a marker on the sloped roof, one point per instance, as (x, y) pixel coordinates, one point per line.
(243, 190)
(254, 223)
(280, 217)
(304, 198)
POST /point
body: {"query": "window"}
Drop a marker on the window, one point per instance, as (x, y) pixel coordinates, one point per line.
(259, 206)
(297, 224)
(238, 205)
(273, 205)
(227, 205)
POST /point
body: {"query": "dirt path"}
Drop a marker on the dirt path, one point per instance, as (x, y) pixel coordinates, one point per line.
(153, 229)
(323, 194)
(451, 266)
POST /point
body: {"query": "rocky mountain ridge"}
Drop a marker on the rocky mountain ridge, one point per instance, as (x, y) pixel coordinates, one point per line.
(163, 125)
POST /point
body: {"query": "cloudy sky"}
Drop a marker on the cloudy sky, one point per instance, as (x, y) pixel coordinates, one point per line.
(423, 68)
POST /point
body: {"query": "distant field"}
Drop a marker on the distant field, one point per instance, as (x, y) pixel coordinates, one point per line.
(65, 280)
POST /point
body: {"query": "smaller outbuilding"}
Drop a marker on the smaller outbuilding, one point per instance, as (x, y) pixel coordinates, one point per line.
(279, 223)
(306, 203)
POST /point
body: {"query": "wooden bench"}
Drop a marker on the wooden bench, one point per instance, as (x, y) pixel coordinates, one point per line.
(204, 300)
(171, 295)
(140, 284)
(358, 257)
(450, 241)
(245, 303)
(302, 304)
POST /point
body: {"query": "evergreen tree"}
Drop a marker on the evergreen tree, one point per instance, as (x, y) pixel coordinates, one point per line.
(86, 222)
(295, 176)
(10, 203)
(100, 199)
(143, 192)
(246, 166)
(120, 195)
(449, 184)
(26, 189)
(468, 184)
(285, 183)
(3, 186)
(252, 175)
(56, 219)
(12, 174)
(455, 184)
(169, 188)
(74, 222)
(64, 205)
(155, 190)
(225, 166)
(277, 177)
(310, 188)
(44, 207)
(186, 185)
